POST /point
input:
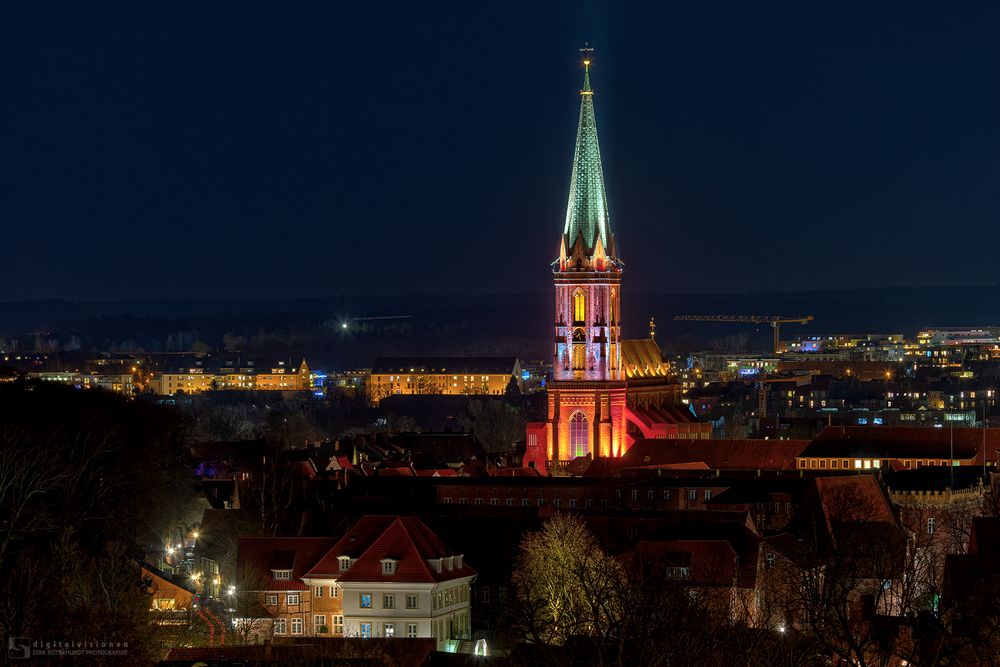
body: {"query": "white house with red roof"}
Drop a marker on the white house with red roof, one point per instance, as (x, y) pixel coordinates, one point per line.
(388, 576)
(398, 579)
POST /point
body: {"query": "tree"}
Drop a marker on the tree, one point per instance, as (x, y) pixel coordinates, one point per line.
(566, 584)
(497, 424)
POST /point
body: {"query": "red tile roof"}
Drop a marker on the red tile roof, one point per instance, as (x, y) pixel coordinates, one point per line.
(411, 543)
(259, 555)
(904, 442)
(712, 562)
(715, 454)
(352, 544)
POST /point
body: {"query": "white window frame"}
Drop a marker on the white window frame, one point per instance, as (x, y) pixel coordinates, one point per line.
(388, 600)
(292, 598)
(296, 626)
(415, 599)
(319, 620)
(271, 599)
(280, 626)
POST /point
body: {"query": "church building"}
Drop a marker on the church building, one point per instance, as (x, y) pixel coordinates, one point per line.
(600, 383)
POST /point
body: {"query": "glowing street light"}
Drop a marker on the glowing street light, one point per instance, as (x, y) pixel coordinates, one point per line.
(232, 590)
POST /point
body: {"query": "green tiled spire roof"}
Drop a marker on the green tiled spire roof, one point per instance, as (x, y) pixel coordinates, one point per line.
(587, 211)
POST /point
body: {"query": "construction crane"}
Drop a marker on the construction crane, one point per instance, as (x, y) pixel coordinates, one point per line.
(774, 320)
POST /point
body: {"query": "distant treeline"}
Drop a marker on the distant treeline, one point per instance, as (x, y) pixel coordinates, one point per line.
(465, 324)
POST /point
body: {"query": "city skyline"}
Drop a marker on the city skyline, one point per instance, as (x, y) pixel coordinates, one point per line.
(144, 151)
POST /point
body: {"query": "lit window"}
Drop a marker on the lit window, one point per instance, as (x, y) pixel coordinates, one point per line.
(365, 600)
(366, 630)
(388, 630)
(931, 525)
(579, 438)
(579, 307)
(857, 464)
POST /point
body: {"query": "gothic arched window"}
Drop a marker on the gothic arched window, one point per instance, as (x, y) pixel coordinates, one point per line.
(579, 307)
(579, 435)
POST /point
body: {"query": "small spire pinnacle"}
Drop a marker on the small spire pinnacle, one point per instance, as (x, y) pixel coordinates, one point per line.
(587, 50)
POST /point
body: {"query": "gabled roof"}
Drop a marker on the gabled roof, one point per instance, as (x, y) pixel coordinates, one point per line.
(642, 358)
(352, 544)
(710, 562)
(404, 539)
(258, 556)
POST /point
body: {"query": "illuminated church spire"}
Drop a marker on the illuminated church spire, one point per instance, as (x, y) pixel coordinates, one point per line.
(587, 210)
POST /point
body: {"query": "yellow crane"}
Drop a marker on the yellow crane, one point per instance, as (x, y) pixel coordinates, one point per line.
(775, 321)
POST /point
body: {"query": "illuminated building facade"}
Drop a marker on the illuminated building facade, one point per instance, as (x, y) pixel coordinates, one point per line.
(605, 392)
(586, 407)
(462, 376)
(247, 375)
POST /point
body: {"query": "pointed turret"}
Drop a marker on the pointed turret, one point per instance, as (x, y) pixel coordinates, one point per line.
(587, 210)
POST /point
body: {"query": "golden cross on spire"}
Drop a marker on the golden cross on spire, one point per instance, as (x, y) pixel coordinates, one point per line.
(586, 51)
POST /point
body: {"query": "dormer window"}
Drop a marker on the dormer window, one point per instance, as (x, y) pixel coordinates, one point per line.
(449, 562)
(345, 563)
(282, 574)
(435, 563)
(389, 565)
(458, 562)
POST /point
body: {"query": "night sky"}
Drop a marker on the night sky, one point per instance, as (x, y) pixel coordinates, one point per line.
(238, 150)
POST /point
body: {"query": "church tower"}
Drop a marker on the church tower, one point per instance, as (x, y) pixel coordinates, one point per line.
(587, 395)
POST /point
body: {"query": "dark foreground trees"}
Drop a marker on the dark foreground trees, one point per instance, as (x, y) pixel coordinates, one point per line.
(576, 605)
(87, 480)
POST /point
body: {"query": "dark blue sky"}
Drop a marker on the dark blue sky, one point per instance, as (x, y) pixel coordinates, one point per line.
(240, 150)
